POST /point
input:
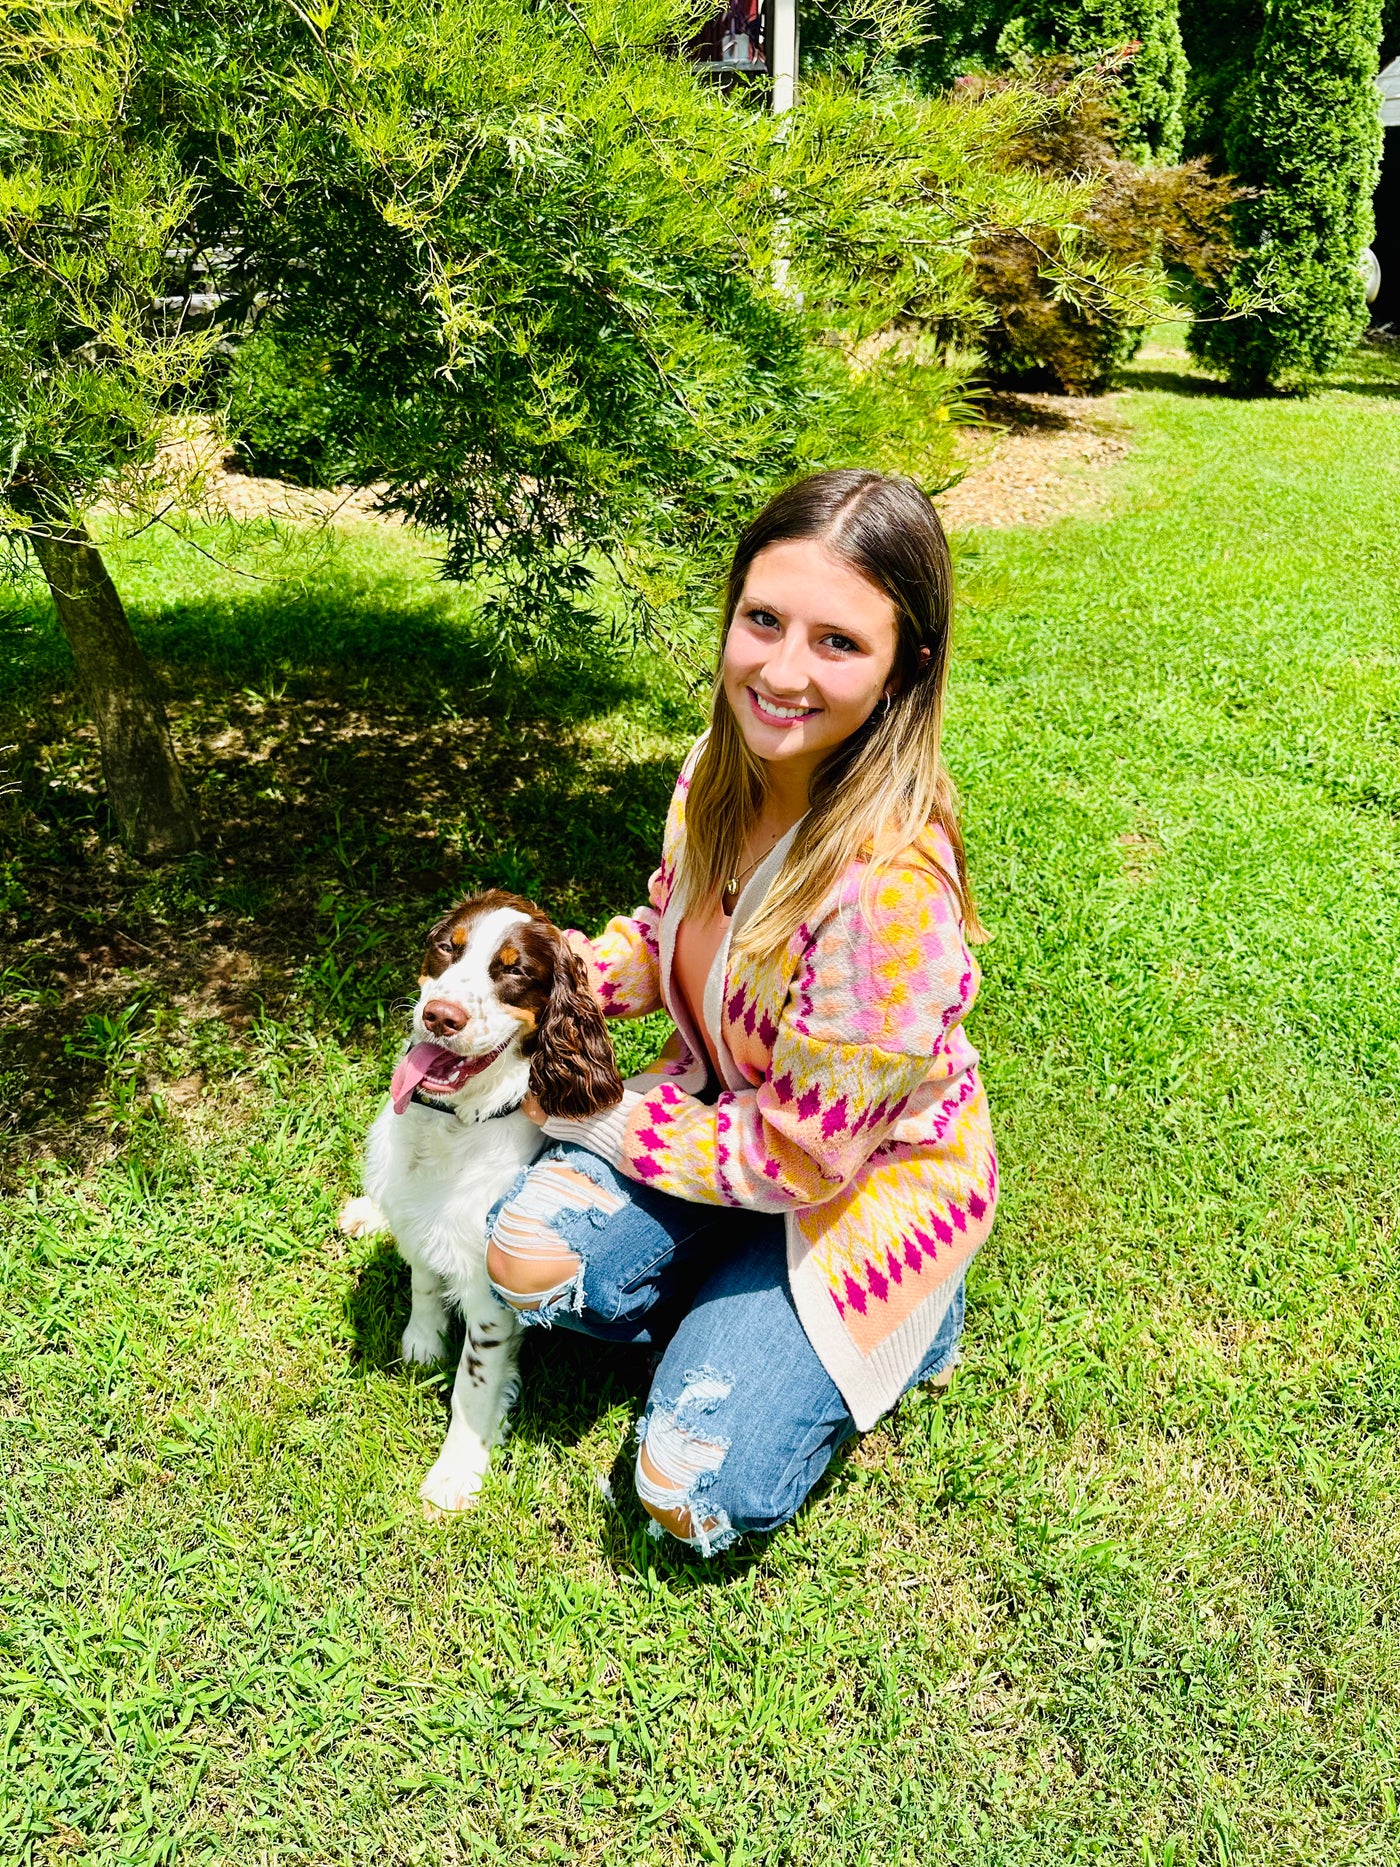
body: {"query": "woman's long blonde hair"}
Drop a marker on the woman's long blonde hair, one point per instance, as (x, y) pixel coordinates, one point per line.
(878, 794)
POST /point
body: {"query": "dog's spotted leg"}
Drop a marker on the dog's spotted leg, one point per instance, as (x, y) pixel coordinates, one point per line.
(425, 1338)
(482, 1395)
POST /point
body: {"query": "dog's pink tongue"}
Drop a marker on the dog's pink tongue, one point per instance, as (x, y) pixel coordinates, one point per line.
(410, 1072)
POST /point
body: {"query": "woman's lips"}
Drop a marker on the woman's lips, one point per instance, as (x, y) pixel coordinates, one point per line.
(778, 720)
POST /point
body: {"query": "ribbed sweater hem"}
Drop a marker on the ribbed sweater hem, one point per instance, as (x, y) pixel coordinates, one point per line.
(604, 1134)
(869, 1384)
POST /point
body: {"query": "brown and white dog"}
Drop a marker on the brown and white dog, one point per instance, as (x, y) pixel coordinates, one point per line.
(504, 1006)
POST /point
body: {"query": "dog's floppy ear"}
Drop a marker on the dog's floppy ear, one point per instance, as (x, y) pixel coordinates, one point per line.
(573, 1071)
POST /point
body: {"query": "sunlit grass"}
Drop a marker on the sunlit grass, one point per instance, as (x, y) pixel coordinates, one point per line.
(1129, 1594)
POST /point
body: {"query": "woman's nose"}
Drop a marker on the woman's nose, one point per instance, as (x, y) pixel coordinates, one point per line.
(785, 671)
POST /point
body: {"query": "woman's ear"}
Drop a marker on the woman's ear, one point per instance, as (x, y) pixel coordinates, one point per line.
(573, 1071)
(900, 677)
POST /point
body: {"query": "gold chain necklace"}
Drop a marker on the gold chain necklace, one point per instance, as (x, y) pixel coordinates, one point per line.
(729, 894)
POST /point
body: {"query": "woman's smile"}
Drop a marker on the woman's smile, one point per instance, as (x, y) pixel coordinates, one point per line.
(778, 713)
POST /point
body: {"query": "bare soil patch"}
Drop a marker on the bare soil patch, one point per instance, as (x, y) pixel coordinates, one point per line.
(1040, 457)
(195, 459)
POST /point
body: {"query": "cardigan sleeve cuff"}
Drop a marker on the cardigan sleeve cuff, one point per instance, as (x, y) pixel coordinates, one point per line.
(603, 1134)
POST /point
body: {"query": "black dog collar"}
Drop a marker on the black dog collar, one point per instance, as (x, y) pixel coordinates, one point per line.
(446, 1108)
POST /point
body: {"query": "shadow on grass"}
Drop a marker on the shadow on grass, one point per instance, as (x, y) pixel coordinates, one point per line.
(1384, 384)
(348, 793)
(1172, 382)
(377, 1307)
(1386, 391)
(568, 1382)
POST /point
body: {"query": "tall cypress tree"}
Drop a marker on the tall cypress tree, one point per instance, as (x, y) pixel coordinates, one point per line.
(1303, 130)
(1221, 40)
(1155, 81)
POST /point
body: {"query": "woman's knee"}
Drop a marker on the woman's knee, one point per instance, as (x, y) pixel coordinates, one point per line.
(529, 1258)
(676, 1488)
(525, 1282)
(654, 1485)
(707, 1510)
(698, 1485)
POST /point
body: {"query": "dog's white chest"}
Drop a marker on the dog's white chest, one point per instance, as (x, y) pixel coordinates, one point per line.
(436, 1179)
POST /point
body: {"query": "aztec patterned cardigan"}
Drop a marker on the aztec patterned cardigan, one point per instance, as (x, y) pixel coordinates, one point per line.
(851, 1102)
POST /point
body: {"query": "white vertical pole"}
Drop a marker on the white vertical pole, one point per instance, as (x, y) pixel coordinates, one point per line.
(782, 56)
(782, 62)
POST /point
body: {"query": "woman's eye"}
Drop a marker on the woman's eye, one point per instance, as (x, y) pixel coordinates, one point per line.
(841, 642)
(763, 619)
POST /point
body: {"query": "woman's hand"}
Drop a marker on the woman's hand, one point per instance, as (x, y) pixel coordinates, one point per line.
(531, 1107)
(581, 945)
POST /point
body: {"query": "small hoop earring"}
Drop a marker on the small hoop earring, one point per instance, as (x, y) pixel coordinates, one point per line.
(886, 714)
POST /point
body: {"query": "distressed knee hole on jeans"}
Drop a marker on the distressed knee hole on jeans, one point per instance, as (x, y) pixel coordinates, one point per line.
(528, 1227)
(684, 1460)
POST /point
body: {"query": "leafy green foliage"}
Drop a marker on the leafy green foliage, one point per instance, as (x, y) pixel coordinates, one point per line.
(91, 207)
(1150, 224)
(958, 36)
(572, 306)
(1221, 38)
(1154, 79)
(518, 267)
(287, 411)
(1301, 131)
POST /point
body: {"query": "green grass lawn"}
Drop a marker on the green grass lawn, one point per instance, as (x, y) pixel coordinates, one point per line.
(1130, 1593)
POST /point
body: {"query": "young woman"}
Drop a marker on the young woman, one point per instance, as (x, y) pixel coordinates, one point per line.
(790, 1197)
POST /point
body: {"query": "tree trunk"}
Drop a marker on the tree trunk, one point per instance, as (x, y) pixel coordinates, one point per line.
(144, 786)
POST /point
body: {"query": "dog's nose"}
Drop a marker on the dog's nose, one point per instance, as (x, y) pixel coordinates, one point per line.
(442, 1018)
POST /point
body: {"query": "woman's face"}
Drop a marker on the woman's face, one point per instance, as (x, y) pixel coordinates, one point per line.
(808, 656)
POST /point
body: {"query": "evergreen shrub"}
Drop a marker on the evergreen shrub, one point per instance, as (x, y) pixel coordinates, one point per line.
(283, 410)
(1220, 38)
(1302, 132)
(1154, 82)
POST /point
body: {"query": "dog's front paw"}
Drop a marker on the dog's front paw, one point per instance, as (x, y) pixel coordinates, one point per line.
(451, 1486)
(423, 1343)
(359, 1217)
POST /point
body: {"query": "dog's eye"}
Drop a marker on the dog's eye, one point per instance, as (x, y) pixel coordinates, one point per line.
(444, 946)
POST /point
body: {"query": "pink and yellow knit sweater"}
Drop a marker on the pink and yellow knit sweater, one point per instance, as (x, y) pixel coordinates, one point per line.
(851, 1102)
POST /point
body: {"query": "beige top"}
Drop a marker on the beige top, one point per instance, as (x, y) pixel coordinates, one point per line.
(698, 939)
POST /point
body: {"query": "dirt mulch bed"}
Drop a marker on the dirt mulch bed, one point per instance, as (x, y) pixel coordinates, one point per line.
(1033, 459)
(212, 484)
(1039, 458)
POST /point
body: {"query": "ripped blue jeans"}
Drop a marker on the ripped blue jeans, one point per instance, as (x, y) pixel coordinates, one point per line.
(742, 1418)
